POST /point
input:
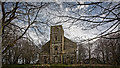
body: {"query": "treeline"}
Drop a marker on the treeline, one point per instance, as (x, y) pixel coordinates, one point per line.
(23, 52)
(108, 49)
(103, 51)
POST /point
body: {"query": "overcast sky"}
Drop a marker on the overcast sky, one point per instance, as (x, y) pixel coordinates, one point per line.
(77, 29)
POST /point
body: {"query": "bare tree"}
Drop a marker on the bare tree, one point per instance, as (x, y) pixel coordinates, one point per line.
(108, 49)
(81, 53)
(92, 16)
(16, 13)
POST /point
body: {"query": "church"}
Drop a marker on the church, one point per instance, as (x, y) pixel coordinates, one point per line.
(59, 49)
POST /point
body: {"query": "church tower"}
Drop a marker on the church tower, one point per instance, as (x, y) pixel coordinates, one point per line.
(56, 44)
(59, 49)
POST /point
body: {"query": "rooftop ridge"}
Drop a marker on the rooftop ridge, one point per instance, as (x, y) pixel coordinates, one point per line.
(56, 25)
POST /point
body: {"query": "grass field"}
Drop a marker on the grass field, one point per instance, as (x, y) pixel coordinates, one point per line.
(60, 66)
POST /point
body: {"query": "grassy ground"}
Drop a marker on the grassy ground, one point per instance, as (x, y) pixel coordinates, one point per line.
(60, 66)
(16, 66)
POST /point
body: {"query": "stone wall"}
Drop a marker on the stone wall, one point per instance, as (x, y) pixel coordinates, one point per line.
(56, 59)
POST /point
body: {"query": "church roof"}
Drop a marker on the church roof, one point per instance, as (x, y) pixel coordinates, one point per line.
(46, 48)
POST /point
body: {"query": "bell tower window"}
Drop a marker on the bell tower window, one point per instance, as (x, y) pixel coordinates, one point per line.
(56, 48)
(56, 38)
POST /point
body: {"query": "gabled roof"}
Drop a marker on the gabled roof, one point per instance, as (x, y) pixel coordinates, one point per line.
(70, 46)
(46, 48)
(66, 39)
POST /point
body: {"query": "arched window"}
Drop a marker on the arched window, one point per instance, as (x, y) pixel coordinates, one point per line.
(55, 38)
(56, 47)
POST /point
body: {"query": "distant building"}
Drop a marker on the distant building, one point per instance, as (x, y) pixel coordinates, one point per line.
(59, 49)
